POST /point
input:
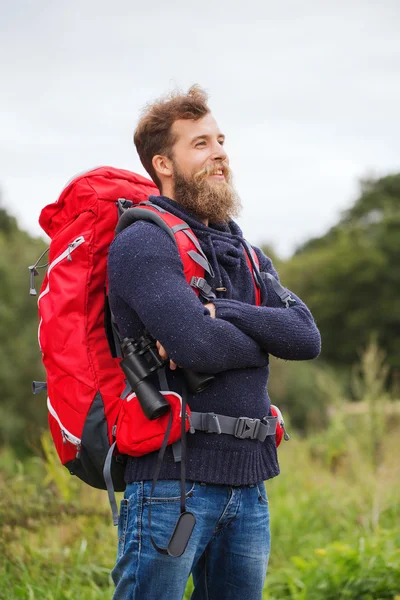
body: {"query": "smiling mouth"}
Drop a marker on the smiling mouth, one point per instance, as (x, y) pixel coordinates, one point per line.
(219, 174)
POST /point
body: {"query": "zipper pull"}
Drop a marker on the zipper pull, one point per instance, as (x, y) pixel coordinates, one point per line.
(64, 437)
(33, 271)
(71, 247)
(32, 275)
(78, 451)
(286, 436)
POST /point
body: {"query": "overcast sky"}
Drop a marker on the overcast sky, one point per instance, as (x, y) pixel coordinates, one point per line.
(307, 93)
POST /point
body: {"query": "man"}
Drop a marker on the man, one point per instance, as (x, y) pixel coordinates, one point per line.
(182, 148)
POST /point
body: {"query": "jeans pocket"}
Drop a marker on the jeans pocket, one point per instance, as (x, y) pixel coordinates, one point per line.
(167, 491)
(262, 494)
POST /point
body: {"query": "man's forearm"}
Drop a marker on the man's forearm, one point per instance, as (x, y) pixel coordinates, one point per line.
(288, 333)
(150, 280)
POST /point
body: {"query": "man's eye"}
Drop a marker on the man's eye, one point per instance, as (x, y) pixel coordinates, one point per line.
(200, 143)
(221, 142)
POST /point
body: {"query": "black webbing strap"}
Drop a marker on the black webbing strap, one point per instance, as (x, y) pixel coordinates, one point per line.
(117, 338)
(183, 446)
(155, 477)
(162, 378)
(109, 484)
(168, 549)
(111, 329)
(240, 427)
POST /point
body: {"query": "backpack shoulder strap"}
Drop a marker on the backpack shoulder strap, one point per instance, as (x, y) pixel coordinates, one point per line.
(194, 261)
(252, 260)
(254, 266)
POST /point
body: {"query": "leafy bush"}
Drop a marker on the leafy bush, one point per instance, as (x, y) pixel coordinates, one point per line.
(365, 569)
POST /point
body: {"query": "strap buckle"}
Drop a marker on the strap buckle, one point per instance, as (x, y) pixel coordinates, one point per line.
(205, 289)
(247, 428)
(200, 283)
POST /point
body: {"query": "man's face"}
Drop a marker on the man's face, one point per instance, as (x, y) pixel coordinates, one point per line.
(201, 175)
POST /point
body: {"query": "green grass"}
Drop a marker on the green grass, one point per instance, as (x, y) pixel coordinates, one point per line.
(335, 527)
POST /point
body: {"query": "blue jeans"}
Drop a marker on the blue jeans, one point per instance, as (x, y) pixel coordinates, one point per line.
(227, 553)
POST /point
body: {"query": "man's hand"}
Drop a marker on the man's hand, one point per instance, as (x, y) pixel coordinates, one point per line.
(162, 351)
(163, 354)
(211, 308)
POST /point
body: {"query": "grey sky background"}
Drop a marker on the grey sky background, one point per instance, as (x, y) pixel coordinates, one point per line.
(307, 93)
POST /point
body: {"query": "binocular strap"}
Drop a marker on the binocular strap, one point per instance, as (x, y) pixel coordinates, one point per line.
(186, 521)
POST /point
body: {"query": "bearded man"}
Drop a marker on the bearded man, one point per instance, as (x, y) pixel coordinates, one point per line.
(182, 148)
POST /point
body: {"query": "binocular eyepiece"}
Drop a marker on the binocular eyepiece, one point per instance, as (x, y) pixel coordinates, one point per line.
(141, 359)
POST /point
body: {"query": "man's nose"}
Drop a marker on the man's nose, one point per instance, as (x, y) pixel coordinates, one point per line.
(219, 152)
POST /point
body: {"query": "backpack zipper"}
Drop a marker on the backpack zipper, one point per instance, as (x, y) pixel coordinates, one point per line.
(66, 254)
(66, 435)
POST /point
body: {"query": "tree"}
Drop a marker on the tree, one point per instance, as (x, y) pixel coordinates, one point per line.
(23, 415)
(350, 277)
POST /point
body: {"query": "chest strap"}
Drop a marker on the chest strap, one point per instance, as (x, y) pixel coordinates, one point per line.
(240, 427)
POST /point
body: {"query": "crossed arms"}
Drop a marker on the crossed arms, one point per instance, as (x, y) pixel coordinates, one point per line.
(145, 270)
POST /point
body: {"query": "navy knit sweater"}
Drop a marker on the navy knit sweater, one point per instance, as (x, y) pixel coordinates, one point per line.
(148, 289)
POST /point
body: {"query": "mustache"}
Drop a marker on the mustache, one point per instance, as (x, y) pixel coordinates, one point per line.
(211, 170)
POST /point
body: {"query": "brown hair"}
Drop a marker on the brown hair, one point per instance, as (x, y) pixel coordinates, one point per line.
(153, 132)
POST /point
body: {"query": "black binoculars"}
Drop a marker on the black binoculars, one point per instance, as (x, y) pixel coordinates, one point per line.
(141, 359)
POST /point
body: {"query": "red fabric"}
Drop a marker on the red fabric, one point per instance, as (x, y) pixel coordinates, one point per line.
(275, 412)
(136, 435)
(71, 301)
(71, 332)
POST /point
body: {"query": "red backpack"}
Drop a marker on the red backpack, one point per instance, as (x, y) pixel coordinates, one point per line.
(87, 409)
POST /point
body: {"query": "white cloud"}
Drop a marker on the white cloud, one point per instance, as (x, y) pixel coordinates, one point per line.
(307, 93)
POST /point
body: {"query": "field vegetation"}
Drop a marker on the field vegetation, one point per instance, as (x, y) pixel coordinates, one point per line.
(335, 508)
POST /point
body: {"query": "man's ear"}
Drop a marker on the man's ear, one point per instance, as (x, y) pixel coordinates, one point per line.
(162, 166)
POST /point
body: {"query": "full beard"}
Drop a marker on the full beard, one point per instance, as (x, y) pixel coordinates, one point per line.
(216, 201)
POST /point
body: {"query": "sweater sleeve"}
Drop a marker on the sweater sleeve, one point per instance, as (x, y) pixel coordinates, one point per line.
(288, 333)
(145, 270)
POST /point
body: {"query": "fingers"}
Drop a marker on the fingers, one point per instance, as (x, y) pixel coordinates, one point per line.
(164, 355)
(161, 351)
(211, 308)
